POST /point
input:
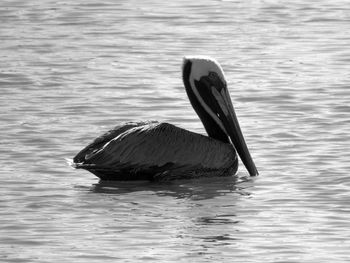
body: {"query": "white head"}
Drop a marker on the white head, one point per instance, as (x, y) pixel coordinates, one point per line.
(202, 66)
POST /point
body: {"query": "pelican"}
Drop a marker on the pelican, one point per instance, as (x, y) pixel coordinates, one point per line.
(162, 151)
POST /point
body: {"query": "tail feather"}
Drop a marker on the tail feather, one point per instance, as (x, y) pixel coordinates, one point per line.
(75, 165)
(71, 163)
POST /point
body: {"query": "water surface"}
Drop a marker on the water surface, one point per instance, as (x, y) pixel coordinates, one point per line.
(72, 70)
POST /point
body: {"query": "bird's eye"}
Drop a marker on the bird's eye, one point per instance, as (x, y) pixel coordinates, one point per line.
(216, 81)
(212, 75)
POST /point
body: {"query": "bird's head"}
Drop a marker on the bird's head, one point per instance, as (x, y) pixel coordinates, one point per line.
(206, 88)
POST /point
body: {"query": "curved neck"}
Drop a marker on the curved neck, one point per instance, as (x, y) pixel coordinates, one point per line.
(212, 128)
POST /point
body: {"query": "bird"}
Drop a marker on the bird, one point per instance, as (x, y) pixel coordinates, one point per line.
(160, 151)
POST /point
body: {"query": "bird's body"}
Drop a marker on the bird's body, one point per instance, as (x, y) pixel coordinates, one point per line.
(156, 151)
(161, 151)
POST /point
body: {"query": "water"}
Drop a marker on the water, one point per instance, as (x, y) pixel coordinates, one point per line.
(70, 70)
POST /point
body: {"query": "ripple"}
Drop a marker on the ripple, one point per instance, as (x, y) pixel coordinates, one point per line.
(70, 71)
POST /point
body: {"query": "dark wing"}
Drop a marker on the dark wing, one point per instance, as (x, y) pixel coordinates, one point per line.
(154, 149)
(99, 142)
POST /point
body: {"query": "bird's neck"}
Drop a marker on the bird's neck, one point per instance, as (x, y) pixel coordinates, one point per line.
(213, 129)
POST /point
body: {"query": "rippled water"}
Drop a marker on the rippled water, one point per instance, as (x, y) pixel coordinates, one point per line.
(70, 70)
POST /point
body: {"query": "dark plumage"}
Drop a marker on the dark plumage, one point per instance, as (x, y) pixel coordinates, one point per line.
(155, 151)
(161, 151)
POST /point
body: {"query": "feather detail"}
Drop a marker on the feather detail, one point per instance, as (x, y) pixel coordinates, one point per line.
(155, 151)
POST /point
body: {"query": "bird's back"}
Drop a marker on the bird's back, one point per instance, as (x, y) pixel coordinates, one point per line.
(156, 151)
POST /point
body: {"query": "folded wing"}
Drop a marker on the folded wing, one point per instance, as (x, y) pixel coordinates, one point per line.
(154, 151)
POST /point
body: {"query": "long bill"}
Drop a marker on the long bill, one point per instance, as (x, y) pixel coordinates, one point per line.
(231, 124)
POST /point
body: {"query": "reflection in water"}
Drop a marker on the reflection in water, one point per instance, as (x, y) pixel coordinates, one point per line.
(172, 219)
(196, 189)
(218, 220)
(195, 215)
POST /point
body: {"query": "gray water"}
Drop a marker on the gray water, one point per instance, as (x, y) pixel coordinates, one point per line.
(70, 70)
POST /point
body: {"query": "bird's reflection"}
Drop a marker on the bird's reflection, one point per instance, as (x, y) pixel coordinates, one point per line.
(201, 211)
(198, 189)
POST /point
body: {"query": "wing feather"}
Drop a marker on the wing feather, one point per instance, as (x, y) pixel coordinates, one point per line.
(100, 141)
(155, 148)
